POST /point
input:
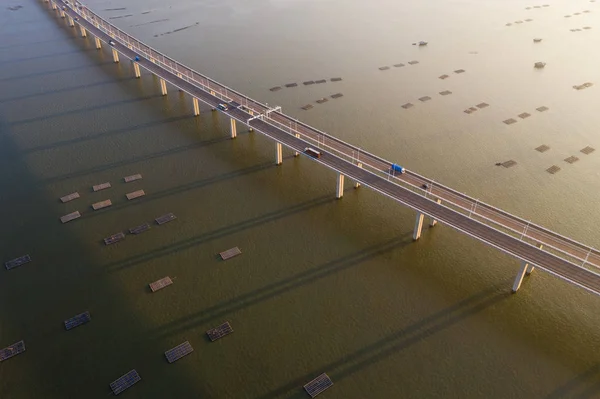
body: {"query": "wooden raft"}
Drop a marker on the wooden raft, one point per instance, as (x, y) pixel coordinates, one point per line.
(220, 331)
(230, 253)
(135, 194)
(178, 352)
(70, 197)
(318, 385)
(124, 382)
(160, 284)
(78, 320)
(139, 229)
(101, 204)
(102, 186)
(165, 218)
(114, 238)
(131, 178)
(21, 260)
(13, 350)
(70, 216)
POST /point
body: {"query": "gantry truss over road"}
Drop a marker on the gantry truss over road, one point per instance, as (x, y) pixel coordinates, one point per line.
(533, 245)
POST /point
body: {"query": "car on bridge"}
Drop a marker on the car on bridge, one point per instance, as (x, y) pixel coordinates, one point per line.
(312, 152)
(223, 107)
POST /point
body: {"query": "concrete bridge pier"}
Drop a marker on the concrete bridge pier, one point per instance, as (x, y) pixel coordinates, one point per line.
(433, 222)
(196, 106)
(297, 153)
(62, 14)
(115, 55)
(83, 31)
(71, 22)
(163, 87)
(526, 269)
(136, 70)
(233, 128)
(98, 43)
(418, 226)
(339, 192)
(278, 154)
(357, 184)
(54, 7)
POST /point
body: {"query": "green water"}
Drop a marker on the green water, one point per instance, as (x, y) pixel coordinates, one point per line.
(322, 285)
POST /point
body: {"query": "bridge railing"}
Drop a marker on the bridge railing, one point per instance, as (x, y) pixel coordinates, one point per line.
(356, 155)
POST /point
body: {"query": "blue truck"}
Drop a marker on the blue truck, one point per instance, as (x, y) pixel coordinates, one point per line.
(397, 169)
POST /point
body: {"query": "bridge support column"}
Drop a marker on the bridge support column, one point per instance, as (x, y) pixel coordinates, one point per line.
(297, 153)
(136, 70)
(98, 43)
(53, 6)
(115, 55)
(433, 222)
(163, 87)
(196, 106)
(418, 226)
(357, 184)
(278, 154)
(62, 14)
(339, 192)
(233, 128)
(83, 31)
(520, 275)
(71, 22)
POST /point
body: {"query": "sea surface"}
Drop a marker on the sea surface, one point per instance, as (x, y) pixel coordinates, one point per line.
(322, 285)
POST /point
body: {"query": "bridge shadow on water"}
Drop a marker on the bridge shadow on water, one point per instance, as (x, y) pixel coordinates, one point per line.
(49, 72)
(573, 387)
(221, 232)
(394, 343)
(277, 288)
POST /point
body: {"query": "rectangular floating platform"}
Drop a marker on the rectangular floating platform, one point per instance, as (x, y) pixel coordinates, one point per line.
(426, 98)
(445, 92)
(139, 229)
(160, 284)
(460, 71)
(524, 115)
(70, 197)
(407, 105)
(124, 382)
(131, 178)
(291, 85)
(230, 253)
(337, 95)
(308, 82)
(583, 86)
(587, 27)
(219, 332)
(553, 169)
(276, 88)
(318, 385)
(509, 163)
(322, 100)
(307, 107)
(443, 77)
(178, 352)
(12, 350)
(468, 111)
(528, 20)
(102, 186)
(336, 79)
(572, 159)
(482, 105)
(510, 121)
(78, 320)
(413, 62)
(70, 216)
(398, 65)
(101, 204)
(542, 148)
(135, 194)
(21, 260)
(165, 218)
(384, 68)
(320, 81)
(114, 238)
(473, 109)
(587, 150)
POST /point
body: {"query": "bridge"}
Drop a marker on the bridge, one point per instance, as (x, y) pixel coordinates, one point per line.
(533, 245)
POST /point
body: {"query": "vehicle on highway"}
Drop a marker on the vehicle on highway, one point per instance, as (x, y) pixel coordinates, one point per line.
(223, 107)
(312, 152)
(397, 168)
